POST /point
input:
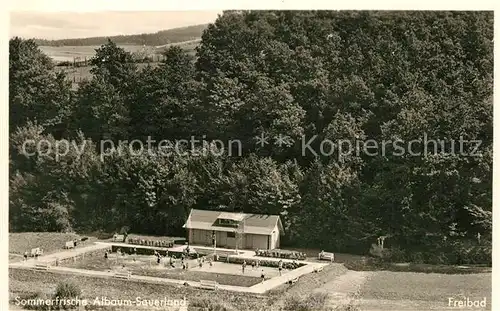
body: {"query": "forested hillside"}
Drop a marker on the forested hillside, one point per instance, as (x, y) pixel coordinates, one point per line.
(151, 39)
(353, 76)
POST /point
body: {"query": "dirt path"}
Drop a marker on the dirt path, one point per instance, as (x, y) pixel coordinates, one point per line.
(344, 289)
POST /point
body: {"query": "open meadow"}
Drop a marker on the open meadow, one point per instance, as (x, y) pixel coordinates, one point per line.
(386, 290)
(48, 241)
(23, 283)
(79, 53)
(69, 53)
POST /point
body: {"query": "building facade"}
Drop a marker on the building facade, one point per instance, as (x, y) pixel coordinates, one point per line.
(234, 230)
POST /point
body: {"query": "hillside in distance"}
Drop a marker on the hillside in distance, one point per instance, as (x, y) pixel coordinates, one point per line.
(161, 37)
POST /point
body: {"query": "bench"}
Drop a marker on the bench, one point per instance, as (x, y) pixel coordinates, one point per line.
(326, 256)
(294, 280)
(42, 266)
(69, 244)
(212, 285)
(123, 275)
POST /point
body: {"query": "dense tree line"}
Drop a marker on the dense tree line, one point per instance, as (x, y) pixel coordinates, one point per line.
(161, 37)
(337, 75)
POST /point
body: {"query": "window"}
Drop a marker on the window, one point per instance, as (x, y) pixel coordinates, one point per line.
(231, 235)
(227, 223)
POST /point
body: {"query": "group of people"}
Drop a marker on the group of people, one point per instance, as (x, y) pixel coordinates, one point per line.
(36, 254)
(255, 264)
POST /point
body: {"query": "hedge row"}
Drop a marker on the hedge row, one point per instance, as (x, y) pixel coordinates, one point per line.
(157, 243)
(148, 251)
(262, 262)
(276, 253)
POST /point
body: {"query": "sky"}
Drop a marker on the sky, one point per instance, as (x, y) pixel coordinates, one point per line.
(62, 25)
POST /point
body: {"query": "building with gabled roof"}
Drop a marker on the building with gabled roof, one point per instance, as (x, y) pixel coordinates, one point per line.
(234, 230)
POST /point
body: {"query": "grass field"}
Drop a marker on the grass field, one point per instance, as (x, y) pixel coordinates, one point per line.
(49, 241)
(422, 290)
(77, 74)
(420, 286)
(80, 73)
(70, 53)
(23, 282)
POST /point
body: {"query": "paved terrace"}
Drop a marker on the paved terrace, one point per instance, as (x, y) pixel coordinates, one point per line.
(260, 288)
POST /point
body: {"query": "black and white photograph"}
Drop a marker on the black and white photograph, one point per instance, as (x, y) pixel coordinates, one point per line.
(250, 160)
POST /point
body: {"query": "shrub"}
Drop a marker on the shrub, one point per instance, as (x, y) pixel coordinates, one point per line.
(395, 254)
(437, 258)
(148, 251)
(376, 251)
(278, 253)
(313, 302)
(262, 262)
(348, 307)
(67, 290)
(156, 243)
(417, 257)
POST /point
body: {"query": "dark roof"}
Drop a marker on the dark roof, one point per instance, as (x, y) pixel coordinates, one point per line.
(252, 223)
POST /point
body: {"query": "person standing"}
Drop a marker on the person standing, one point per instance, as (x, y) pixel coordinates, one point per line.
(243, 266)
(262, 275)
(25, 256)
(280, 266)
